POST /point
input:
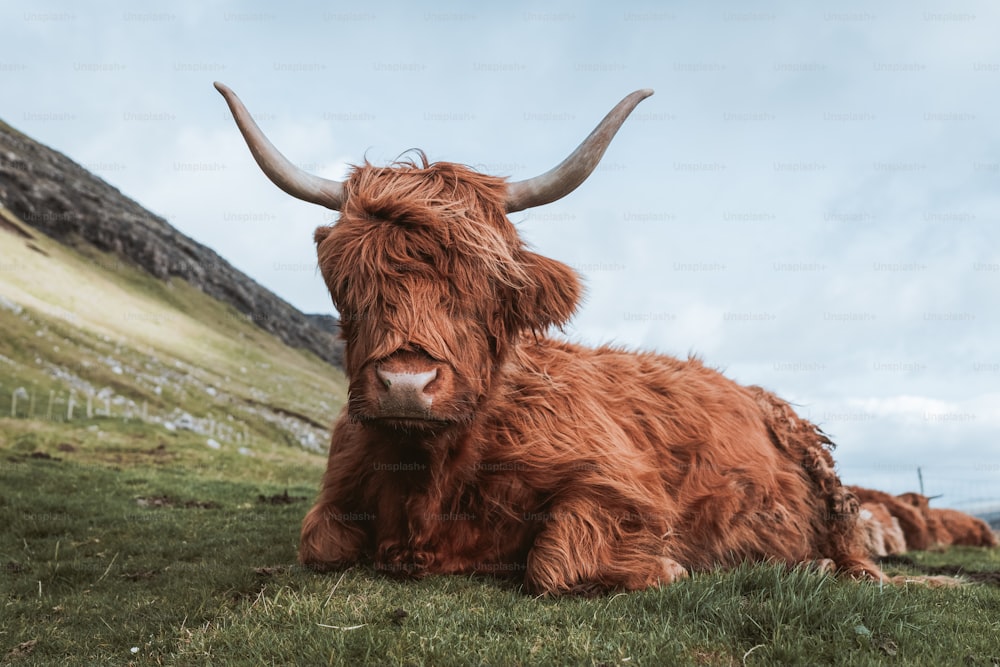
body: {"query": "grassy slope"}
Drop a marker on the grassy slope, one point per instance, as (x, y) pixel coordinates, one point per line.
(125, 542)
(92, 322)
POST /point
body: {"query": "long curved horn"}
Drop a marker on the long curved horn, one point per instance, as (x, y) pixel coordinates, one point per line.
(296, 182)
(574, 170)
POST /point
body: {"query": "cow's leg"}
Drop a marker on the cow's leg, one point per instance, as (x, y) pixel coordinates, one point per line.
(584, 549)
(403, 560)
(334, 531)
(861, 568)
(330, 539)
(821, 565)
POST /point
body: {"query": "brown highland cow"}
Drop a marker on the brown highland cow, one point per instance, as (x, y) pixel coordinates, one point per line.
(936, 533)
(966, 530)
(472, 442)
(910, 518)
(883, 535)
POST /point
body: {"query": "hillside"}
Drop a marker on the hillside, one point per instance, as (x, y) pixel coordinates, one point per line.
(49, 192)
(111, 316)
(129, 346)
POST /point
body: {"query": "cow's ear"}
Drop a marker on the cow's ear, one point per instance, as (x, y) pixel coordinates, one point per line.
(550, 297)
(321, 233)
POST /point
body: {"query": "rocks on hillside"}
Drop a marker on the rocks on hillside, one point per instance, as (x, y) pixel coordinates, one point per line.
(55, 195)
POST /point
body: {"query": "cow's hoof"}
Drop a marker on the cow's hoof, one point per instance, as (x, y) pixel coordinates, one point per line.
(672, 571)
(822, 566)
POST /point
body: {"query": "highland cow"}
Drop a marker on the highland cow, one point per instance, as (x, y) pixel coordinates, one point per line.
(472, 442)
(936, 532)
(883, 535)
(910, 518)
(966, 530)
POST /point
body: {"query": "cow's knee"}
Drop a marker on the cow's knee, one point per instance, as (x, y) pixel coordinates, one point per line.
(326, 543)
(583, 550)
(619, 572)
(670, 572)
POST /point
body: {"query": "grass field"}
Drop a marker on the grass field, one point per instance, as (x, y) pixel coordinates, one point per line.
(122, 546)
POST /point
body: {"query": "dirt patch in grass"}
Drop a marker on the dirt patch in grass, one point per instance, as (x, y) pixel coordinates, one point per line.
(22, 650)
(158, 454)
(138, 456)
(279, 499)
(988, 578)
(13, 567)
(38, 456)
(157, 502)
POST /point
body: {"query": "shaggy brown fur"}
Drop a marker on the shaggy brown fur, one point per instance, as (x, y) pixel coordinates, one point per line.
(911, 519)
(572, 469)
(936, 531)
(964, 529)
(883, 535)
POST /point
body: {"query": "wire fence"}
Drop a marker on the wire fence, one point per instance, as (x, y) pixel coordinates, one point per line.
(69, 406)
(222, 420)
(64, 406)
(974, 489)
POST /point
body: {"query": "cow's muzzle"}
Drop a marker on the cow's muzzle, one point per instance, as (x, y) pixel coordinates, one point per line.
(409, 386)
(405, 394)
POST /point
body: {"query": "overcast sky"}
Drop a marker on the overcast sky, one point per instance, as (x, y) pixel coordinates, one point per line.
(810, 201)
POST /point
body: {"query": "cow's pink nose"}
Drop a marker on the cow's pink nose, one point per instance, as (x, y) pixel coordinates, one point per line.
(405, 394)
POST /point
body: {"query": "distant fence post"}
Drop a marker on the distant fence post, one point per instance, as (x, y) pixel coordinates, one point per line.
(48, 409)
(13, 403)
(69, 407)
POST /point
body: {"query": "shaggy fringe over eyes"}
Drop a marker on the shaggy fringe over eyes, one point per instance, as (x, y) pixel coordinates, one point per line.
(422, 197)
(406, 226)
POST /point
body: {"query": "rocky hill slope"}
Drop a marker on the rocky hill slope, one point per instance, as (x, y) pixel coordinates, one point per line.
(53, 194)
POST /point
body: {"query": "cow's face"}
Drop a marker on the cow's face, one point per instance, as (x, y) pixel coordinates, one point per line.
(431, 280)
(433, 286)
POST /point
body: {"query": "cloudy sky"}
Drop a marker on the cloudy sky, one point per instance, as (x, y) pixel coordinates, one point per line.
(810, 201)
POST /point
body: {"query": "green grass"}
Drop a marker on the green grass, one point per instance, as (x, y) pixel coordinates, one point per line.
(155, 543)
(99, 557)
